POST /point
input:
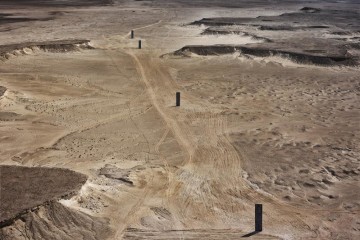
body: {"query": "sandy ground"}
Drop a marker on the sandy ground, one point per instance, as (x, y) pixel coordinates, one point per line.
(249, 129)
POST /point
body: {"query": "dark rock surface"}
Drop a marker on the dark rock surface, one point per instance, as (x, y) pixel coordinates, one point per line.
(48, 46)
(2, 90)
(60, 3)
(309, 35)
(344, 18)
(340, 58)
(24, 188)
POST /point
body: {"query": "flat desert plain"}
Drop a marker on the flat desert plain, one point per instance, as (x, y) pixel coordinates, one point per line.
(93, 146)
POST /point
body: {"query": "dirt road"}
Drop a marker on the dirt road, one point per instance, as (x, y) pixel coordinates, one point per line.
(210, 177)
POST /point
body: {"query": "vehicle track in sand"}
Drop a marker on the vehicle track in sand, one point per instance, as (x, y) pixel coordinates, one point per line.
(211, 149)
(224, 161)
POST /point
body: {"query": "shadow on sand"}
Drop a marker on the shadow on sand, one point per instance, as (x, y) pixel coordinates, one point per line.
(250, 234)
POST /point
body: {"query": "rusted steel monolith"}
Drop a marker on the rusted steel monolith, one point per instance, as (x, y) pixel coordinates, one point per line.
(258, 217)
(139, 44)
(178, 99)
(132, 34)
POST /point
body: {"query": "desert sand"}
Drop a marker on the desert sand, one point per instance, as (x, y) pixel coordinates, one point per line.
(269, 114)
